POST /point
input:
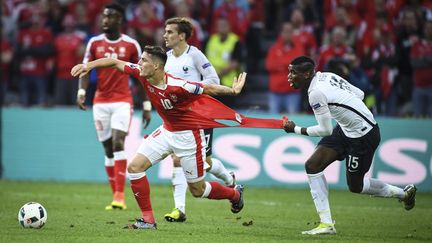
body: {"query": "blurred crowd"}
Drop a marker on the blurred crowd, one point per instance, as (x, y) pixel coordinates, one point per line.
(384, 47)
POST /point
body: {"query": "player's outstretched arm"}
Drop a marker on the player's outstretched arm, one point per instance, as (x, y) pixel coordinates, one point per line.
(213, 89)
(80, 70)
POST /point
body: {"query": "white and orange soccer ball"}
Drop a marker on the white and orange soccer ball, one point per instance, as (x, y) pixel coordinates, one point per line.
(32, 215)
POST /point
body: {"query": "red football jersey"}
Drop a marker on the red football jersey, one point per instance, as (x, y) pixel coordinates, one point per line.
(174, 102)
(112, 85)
(67, 53)
(182, 106)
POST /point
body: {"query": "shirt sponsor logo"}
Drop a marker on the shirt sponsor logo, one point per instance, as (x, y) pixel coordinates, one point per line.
(206, 65)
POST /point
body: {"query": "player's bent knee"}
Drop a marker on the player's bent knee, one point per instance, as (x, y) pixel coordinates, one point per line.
(355, 188)
(312, 168)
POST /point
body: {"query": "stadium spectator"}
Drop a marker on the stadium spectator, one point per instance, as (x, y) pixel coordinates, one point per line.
(253, 42)
(421, 61)
(282, 52)
(355, 139)
(144, 23)
(380, 62)
(407, 32)
(180, 133)
(6, 61)
(341, 20)
(303, 33)
(236, 17)
(34, 50)
(336, 48)
(189, 63)
(182, 10)
(224, 51)
(112, 104)
(69, 51)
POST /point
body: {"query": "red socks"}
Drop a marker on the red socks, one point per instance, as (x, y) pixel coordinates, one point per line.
(219, 191)
(120, 175)
(111, 177)
(141, 190)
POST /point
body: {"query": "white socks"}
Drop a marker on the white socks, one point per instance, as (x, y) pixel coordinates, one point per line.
(179, 188)
(378, 188)
(219, 170)
(319, 192)
(109, 161)
(207, 190)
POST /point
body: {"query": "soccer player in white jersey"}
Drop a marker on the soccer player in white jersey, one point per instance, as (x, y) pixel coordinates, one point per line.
(355, 138)
(180, 104)
(189, 63)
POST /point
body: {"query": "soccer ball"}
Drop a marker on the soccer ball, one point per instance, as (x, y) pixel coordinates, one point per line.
(32, 215)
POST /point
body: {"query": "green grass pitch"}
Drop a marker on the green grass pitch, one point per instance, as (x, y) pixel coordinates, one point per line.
(76, 214)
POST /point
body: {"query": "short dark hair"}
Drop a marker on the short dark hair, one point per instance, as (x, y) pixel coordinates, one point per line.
(119, 8)
(303, 64)
(158, 52)
(184, 25)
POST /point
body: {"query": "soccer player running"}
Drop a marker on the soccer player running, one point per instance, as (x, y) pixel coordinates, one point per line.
(189, 63)
(355, 138)
(112, 104)
(179, 103)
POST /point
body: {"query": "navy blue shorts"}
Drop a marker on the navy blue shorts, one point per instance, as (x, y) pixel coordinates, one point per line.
(357, 152)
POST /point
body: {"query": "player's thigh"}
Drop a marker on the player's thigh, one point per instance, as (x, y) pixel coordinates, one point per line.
(176, 160)
(359, 155)
(155, 147)
(322, 157)
(121, 116)
(190, 147)
(102, 121)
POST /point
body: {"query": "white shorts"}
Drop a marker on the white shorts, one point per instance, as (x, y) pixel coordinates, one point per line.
(188, 145)
(108, 116)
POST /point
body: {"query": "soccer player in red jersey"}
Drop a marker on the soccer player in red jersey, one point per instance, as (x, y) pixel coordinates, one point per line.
(112, 104)
(181, 106)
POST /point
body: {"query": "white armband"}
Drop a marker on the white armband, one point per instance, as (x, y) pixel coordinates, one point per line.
(297, 130)
(81, 92)
(147, 105)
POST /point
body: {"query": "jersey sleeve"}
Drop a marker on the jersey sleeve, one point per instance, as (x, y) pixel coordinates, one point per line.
(89, 53)
(318, 102)
(205, 68)
(193, 87)
(132, 69)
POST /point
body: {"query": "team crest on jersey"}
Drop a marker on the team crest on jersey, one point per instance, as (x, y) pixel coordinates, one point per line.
(185, 69)
(238, 117)
(122, 51)
(100, 49)
(150, 88)
(173, 97)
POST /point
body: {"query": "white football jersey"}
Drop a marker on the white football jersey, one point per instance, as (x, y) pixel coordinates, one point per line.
(191, 65)
(329, 92)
